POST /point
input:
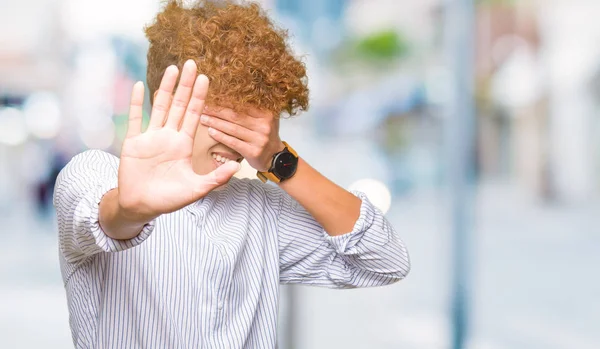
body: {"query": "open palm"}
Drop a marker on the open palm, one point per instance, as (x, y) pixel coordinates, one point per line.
(155, 172)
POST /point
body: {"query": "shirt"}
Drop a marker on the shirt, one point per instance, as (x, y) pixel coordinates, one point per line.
(208, 275)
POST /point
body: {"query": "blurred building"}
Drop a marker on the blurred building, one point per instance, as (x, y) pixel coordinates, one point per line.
(537, 117)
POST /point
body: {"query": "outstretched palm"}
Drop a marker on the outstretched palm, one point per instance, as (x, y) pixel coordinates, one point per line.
(155, 173)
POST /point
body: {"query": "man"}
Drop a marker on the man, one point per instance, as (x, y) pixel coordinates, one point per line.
(153, 256)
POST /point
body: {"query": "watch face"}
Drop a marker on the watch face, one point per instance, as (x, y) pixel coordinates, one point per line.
(285, 165)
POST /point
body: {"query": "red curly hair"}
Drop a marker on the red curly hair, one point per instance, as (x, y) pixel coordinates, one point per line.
(245, 57)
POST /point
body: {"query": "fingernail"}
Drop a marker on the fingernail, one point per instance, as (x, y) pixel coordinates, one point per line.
(211, 131)
(203, 118)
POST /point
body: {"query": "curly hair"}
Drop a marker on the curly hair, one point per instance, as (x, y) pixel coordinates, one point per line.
(245, 57)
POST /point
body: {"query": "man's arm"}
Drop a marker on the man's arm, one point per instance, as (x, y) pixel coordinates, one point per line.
(105, 204)
(255, 135)
(327, 236)
(370, 253)
(80, 187)
(336, 209)
(155, 170)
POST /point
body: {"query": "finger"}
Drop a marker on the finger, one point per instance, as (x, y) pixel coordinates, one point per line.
(182, 96)
(191, 119)
(221, 112)
(232, 116)
(134, 127)
(218, 177)
(230, 128)
(234, 143)
(258, 113)
(261, 125)
(163, 97)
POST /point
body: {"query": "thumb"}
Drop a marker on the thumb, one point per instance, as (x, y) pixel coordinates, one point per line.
(224, 172)
(218, 177)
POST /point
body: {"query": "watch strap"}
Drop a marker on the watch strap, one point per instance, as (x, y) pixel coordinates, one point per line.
(290, 149)
(267, 176)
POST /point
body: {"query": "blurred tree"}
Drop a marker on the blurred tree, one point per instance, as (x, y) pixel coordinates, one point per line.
(384, 45)
(387, 46)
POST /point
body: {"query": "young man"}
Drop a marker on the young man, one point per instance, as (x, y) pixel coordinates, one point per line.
(153, 256)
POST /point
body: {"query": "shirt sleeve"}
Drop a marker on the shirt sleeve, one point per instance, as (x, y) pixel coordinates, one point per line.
(79, 189)
(372, 254)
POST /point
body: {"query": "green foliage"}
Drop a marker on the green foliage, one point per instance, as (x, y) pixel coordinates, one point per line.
(377, 51)
(384, 45)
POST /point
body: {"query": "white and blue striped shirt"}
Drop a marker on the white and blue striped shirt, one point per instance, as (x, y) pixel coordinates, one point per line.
(208, 275)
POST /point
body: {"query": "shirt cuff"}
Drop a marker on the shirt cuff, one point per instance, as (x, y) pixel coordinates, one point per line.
(103, 241)
(364, 232)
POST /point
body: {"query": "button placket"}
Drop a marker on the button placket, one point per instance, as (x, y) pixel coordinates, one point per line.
(226, 277)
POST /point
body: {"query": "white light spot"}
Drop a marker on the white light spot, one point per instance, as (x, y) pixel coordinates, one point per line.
(13, 131)
(101, 138)
(377, 192)
(42, 115)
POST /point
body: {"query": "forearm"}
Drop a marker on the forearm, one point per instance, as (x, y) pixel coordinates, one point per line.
(336, 209)
(371, 254)
(115, 222)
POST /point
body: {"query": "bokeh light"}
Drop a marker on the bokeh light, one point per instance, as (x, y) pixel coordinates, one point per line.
(13, 130)
(43, 115)
(99, 138)
(377, 192)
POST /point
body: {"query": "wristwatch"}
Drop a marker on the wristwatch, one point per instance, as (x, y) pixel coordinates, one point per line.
(283, 166)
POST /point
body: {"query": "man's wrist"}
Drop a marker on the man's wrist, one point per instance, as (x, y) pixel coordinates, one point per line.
(279, 148)
(284, 163)
(130, 214)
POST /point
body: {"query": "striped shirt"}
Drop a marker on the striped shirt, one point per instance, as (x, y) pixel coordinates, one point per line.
(208, 275)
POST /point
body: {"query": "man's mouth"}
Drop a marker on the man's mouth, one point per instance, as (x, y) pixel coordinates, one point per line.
(222, 158)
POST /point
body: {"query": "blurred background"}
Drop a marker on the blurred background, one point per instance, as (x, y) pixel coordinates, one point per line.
(496, 192)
